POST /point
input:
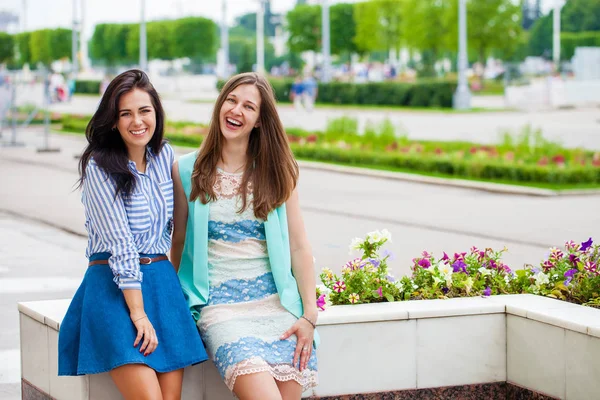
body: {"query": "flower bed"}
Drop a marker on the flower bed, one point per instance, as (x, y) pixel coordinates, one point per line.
(572, 275)
(526, 159)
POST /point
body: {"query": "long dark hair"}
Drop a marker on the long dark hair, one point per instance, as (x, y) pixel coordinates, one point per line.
(271, 166)
(105, 143)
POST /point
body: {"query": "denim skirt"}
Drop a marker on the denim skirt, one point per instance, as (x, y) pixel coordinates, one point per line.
(97, 335)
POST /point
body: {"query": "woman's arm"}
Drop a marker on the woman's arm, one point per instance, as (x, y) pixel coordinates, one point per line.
(303, 269)
(302, 257)
(180, 214)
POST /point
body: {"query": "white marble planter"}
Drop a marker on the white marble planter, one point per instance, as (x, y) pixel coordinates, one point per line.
(545, 345)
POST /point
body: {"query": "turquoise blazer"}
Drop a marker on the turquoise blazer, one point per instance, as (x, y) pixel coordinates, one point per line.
(193, 270)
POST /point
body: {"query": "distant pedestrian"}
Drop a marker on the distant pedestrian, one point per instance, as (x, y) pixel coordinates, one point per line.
(296, 93)
(310, 91)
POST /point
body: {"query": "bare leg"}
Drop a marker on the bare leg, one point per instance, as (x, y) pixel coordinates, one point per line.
(137, 382)
(290, 390)
(259, 386)
(170, 384)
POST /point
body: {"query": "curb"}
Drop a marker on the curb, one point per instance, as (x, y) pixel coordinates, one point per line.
(458, 183)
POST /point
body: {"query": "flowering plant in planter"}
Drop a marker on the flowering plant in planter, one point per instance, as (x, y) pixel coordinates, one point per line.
(476, 273)
(572, 274)
(362, 280)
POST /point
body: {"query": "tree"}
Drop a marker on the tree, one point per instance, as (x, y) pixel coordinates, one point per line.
(194, 37)
(304, 28)
(343, 28)
(429, 26)
(7, 47)
(580, 16)
(23, 53)
(540, 38)
(242, 53)
(378, 25)
(530, 13)
(491, 25)
(48, 45)
(109, 44)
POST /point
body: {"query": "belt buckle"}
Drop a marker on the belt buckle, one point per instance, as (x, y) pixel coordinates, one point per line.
(145, 260)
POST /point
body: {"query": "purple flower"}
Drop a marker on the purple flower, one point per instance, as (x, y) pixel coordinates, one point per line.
(586, 245)
(390, 278)
(380, 291)
(591, 267)
(459, 256)
(388, 253)
(459, 266)
(567, 281)
(375, 262)
(573, 259)
(487, 291)
(445, 290)
(535, 270)
(570, 273)
(425, 263)
(492, 264)
(321, 302)
(506, 268)
(445, 258)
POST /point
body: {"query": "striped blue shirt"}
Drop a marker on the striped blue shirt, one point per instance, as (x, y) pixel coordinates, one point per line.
(130, 224)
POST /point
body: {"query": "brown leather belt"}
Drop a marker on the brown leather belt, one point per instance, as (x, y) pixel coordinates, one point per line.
(143, 261)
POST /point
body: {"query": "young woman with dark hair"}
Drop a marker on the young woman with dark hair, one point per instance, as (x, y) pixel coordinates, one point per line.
(240, 246)
(129, 316)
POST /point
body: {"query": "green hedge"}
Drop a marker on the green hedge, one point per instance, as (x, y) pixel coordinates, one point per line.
(87, 87)
(426, 94)
(481, 169)
(569, 41)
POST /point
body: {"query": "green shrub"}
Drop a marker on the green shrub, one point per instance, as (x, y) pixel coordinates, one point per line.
(87, 87)
(426, 94)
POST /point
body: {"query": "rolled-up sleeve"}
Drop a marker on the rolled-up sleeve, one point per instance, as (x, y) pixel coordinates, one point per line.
(108, 217)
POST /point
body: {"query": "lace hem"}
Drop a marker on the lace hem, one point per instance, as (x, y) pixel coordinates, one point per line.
(281, 372)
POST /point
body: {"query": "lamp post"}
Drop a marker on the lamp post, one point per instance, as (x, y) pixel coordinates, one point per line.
(326, 38)
(74, 42)
(260, 37)
(143, 49)
(462, 96)
(558, 4)
(223, 71)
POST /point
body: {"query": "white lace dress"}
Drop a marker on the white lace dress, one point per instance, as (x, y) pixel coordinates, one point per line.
(243, 319)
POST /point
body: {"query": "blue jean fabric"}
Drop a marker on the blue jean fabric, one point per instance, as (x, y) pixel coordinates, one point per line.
(97, 335)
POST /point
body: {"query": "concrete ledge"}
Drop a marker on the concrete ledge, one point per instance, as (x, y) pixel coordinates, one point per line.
(538, 344)
(459, 183)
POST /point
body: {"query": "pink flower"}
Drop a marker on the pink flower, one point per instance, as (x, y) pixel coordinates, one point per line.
(353, 298)
(547, 265)
(321, 302)
(380, 291)
(339, 286)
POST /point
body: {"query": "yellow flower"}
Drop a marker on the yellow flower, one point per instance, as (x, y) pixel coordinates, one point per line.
(354, 298)
(328, 273)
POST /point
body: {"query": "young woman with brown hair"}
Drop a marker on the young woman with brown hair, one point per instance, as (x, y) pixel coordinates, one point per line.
(239, 241)
(129, 316)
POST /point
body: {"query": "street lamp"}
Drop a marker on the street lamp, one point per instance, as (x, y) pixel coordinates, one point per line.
(260, 37)
(558, 4)
(143, 49)
(74, 61)
(326, 77)
(224, 58)
(462, 96)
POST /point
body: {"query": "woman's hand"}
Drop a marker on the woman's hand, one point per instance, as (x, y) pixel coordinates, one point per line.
(145, 334)
(304, 332)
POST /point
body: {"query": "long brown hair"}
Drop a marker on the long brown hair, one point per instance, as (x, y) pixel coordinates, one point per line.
(270, 167)
(105, 144)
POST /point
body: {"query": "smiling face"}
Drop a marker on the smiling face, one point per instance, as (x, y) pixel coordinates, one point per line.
(137, 120)
(240, 112)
